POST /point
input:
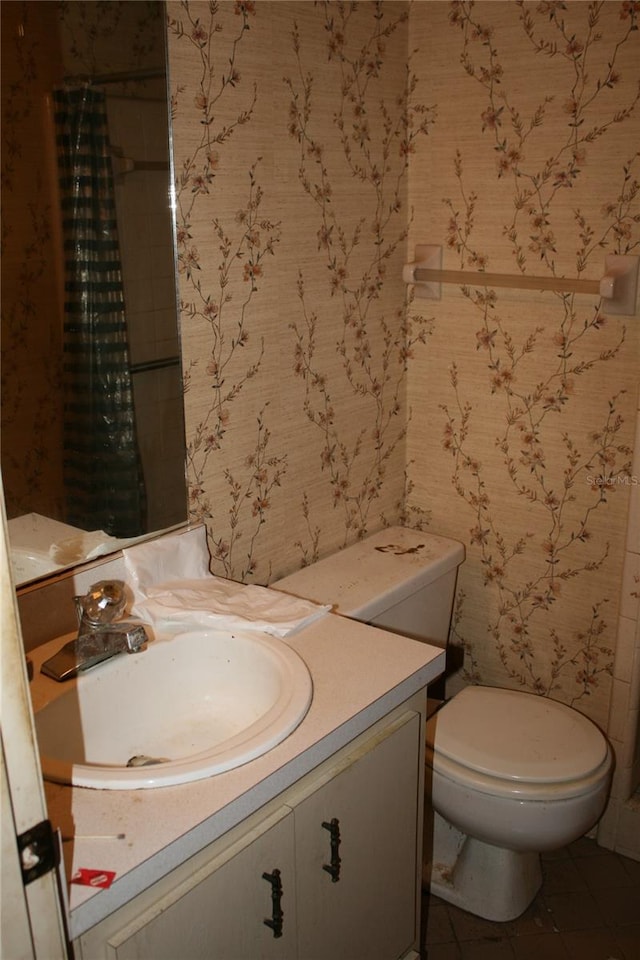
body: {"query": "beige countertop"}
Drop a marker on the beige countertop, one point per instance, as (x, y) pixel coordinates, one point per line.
(359, 674)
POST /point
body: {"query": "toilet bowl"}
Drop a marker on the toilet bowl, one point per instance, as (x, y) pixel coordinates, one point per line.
(510, 774)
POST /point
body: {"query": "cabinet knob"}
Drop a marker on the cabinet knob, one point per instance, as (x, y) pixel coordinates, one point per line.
(333, 868)
(277, 916)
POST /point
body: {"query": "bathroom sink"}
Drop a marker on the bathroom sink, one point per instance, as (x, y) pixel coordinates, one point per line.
(190, 706)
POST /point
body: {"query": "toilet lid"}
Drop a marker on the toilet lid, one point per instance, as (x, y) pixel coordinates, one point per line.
(516, 736)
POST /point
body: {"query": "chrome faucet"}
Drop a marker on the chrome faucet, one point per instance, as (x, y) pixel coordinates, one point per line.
(100, 634)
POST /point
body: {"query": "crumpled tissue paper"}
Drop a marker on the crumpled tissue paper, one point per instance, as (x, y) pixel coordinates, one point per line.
(171, 583)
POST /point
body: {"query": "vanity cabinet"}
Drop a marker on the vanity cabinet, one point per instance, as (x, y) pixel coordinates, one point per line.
(370, 909)
(208, 910)
(342, 845)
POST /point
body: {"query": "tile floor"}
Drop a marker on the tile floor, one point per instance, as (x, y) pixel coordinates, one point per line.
(588, 909)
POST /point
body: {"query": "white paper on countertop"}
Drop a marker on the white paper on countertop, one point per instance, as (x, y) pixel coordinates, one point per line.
(171, 583)
(219, 603)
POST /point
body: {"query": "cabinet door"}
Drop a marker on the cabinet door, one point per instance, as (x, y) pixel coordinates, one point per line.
(364, 904)
(218, 912)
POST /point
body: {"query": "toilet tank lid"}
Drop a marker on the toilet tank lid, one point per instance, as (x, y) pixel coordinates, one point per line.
(374, 574)
(517, 736)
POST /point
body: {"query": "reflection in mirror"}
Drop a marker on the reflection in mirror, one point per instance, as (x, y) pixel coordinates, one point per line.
(92, 413)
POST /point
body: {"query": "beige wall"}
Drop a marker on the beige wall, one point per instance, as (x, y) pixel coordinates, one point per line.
(296, 402)
(523, 402)
(292, 214)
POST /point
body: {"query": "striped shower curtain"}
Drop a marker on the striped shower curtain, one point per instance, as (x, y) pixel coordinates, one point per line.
(103, 474)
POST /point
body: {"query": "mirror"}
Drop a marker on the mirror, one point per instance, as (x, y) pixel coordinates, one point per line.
(92, 412)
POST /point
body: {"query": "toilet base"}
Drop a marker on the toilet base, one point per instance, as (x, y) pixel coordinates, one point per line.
(490, 882)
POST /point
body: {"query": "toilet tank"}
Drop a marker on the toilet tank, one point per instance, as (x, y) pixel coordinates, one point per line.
(398, 578)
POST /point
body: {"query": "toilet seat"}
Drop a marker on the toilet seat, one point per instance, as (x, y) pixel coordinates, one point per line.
(510, 743)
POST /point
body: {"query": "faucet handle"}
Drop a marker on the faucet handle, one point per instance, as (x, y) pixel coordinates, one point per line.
(136, 637)
(104, 603)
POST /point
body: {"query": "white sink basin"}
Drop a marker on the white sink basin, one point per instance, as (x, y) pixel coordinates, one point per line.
(200, 703)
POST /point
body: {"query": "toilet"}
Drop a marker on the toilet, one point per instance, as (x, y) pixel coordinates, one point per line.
(510, 774)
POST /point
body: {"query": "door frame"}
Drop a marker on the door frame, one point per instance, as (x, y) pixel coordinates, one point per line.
(32, 919)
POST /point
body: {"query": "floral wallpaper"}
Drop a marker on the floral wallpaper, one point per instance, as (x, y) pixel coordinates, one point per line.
(316, 144)
(294, 124)
(524, 450)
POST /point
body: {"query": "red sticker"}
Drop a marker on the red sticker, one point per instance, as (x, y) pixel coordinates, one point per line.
(94, 878)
